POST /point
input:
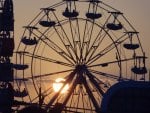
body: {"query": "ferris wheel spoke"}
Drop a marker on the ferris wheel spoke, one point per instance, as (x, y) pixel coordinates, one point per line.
(111, 62)
(78, 41)
(51, 43)
(82, 97)
(67, 46)
(63, 30)
(94, 82)
(90, 37)
(98, 40)
(99, 81)
(68, 80)
(56, 48)
(94, 101)
(85, 27)
(87, 30)
(107, 49)
(87, 36)
(82, 43)
(78, 98)
(74, 84)
(48, 59)
(82, 100)
(79, 34)
(95, 47)
(73, 35)
(71, 30)
(107, 75)
(71, 101)
(110, 76)
(48, 74)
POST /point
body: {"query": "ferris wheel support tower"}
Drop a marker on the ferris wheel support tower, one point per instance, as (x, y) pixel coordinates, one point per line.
(6, 52)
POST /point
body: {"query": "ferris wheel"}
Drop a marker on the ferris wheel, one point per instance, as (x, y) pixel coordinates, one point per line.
(83, 46)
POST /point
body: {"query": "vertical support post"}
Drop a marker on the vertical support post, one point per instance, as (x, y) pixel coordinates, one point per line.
(6, 52)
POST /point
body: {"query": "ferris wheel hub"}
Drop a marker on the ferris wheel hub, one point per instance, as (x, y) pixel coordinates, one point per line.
(81, 67)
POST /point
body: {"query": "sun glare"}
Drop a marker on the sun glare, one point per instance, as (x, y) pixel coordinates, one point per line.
(58, 84)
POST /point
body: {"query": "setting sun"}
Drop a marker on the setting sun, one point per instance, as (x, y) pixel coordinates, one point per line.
(58, 84)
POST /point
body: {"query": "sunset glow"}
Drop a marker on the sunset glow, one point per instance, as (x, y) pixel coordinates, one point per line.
(58, 84)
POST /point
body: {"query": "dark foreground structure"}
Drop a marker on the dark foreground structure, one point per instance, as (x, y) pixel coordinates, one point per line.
(127, 97)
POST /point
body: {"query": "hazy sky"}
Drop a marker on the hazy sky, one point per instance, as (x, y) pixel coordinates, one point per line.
(137, 12)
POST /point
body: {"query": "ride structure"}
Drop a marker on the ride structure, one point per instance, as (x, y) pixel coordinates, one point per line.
(89, 44)
(6, 52)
